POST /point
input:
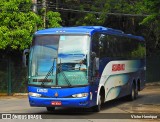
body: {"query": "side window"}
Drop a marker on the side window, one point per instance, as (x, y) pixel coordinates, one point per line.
(95, 54)
(113, 46)
(120, 47)
(132, 48)
(103, 45)
(127, 47)
(139, 51)
(95, 43)
(109, 46)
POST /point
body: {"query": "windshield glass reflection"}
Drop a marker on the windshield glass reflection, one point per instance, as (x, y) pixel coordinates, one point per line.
(72, 57)
(60, 60)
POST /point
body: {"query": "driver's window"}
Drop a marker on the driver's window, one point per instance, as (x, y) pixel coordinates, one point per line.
(95, 54)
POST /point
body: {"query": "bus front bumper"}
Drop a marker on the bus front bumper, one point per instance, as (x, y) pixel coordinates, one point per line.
(64, 102)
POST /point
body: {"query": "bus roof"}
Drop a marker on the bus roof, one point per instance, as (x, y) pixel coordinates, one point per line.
(86, 30)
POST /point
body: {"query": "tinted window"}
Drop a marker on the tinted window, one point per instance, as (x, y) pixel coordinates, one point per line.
(118, 46)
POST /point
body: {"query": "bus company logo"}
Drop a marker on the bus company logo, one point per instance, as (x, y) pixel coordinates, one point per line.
(42, 90)
(56, 94)
(118, 67)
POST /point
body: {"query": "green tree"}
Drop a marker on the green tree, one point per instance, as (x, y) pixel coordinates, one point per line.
(53, 19)
(99, 10)
(152, 22)
(18, 22)
(153, 9)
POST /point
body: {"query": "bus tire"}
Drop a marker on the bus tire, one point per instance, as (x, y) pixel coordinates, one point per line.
(134, 93)
(50, 109)
(97, 108)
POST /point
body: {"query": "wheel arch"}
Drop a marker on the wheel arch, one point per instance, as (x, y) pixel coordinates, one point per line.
(101, 91)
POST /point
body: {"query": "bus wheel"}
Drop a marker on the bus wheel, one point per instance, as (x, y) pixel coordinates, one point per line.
(50, 109)
(134, 93)
(97, 108)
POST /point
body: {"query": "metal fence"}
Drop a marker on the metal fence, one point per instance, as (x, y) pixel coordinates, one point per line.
(153, 67)
(18, 79)
(4, 76)
(13, 77)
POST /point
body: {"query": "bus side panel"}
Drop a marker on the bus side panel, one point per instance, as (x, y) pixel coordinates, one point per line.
(126, 88)
(117, 77)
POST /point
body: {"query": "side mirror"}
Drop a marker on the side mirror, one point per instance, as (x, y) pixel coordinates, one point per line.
(25, 57)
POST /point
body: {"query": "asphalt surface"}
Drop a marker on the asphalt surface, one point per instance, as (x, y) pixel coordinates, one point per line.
(147, 103)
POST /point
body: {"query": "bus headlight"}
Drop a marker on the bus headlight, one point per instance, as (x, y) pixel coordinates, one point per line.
(80, 95)
(32, 94)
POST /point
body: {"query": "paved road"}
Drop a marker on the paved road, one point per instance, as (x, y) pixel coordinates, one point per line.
(147, 102)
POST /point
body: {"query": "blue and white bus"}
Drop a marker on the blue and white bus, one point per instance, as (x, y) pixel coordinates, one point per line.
(84, 66)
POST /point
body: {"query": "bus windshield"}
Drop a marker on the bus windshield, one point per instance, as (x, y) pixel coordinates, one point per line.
(59, 60)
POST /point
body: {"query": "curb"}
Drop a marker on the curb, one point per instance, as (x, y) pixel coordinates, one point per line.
(3, 94)
(153, 84)
(20, 94)
(14, 94)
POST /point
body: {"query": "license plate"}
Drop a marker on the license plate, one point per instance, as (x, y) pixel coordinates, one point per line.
(56, 103)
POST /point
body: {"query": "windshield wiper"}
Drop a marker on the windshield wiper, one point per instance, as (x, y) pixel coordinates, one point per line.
(60, 69)
(49, 72)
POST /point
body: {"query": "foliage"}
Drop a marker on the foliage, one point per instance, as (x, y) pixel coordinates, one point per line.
(18, 23)
(152, 21)
(100, 9)
(139, 52)
(153, 10)
(96, 14)
(53, 19)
